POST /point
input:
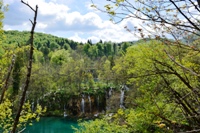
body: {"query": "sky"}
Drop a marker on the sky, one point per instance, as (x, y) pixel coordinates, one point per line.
(72, 19)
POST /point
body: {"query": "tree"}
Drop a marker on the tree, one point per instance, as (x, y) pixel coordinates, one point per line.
(7, 108)
(162, 97)
(93, 51)
(19, 63)
(76, 74)
(161, 19)
(155, 77)
(106, 73)
(6, 82)
(60, 57)
(175, 18)
(124, 121)
(86, 48)
(2, 9)
(125, 45)
(6, 56)
(16, 121)
(43, 80)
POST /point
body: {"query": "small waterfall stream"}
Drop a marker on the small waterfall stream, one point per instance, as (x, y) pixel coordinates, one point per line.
(65, 113)
(89, 99)
(122, 98)
(110, 92)
(64, 107)
(32, 107)
(98, 103)
(83, 104)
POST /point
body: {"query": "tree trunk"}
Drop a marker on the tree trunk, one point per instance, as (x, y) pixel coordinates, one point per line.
(7, 79)
(28, 76)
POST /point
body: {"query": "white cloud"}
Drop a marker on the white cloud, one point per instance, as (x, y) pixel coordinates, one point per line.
(53, 8)
(77, 38)
(65, 2)
(6, 27)
(41, 26)
(47, 8)
(75, 18)
(22, 27)
(115, 36)
(56, 18)
(94, 39)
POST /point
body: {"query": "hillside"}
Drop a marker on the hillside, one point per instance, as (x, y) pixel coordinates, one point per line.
(47, 43)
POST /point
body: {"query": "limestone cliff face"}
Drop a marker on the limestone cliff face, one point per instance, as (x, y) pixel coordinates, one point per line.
(58, 103)
(92, 104)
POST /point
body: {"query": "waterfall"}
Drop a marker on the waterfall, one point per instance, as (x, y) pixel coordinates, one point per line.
(83, 104)
(110, 92)
(64, 107)
(122, 99)
(98, 102)
(126, 88)
(89, 99)
(65, 113)
(32, 107)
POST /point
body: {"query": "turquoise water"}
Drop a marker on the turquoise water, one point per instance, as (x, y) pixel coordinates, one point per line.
(52, 125)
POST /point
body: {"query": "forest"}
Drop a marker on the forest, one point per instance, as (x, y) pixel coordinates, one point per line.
(145, 86)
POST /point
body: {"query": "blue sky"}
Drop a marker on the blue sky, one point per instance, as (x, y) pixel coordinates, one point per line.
(73, 19)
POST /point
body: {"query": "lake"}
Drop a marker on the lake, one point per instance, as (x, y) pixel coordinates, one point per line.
(52, 125)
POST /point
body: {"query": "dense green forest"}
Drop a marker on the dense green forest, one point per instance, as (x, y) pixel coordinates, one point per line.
(156, 82)
(146, 86)
(65, 63)
(60, 66)
(49, 43)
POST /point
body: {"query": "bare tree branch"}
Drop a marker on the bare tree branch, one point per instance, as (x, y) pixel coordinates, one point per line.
(29, 69)
(28, 5)
(198, 2)
(7, 79)
(192, 131)
(184, 15)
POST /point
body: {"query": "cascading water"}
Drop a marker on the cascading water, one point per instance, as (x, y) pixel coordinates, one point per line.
(65, 113)
(32, 107)
(122, 98)
(83, 104)
(126, 88)
(98, 102)
(110, 92)
(89, 99)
